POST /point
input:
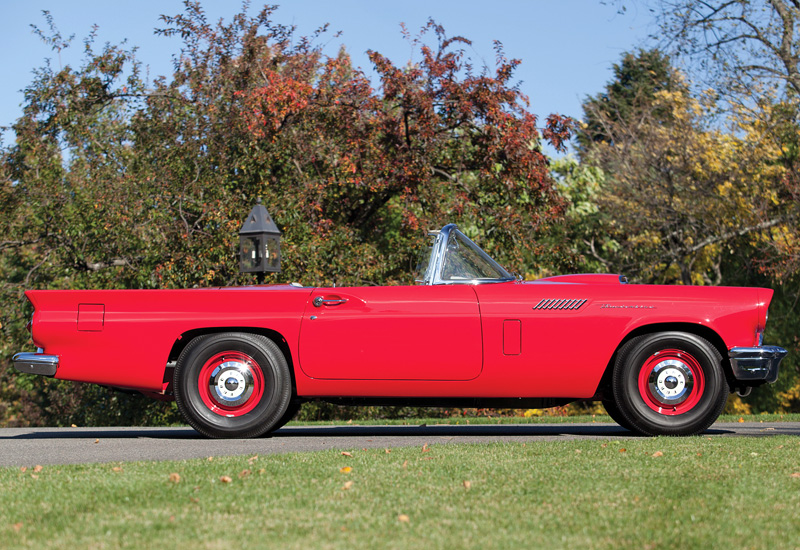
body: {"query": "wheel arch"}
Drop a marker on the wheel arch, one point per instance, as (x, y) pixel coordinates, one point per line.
(698, 330)
(183, 340)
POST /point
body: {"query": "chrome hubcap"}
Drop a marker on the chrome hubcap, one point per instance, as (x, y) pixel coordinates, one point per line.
(231, 383)
(671, 381)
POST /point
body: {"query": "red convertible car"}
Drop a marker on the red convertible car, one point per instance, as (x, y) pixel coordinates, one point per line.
(240, 361)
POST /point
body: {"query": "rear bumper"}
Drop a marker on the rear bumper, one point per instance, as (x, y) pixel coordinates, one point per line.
(36, 363)
(756, 364)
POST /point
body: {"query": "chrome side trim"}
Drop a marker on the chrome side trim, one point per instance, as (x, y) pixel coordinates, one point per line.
(36, 363)
(563, 303)
(756, 363)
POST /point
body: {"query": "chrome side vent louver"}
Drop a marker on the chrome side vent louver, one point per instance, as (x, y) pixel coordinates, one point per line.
(554, 303)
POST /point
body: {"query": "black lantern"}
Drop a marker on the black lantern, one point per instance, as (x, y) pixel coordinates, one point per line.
(259, 243)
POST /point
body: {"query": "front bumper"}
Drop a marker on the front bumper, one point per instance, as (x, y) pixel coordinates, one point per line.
(756, 364)
(36, 363)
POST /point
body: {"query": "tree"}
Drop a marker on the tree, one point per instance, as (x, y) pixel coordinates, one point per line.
(637, 78)
(750, 52)
(439, 143)
(114, 183)
(743, 44)
(674, 191)
(663, 194)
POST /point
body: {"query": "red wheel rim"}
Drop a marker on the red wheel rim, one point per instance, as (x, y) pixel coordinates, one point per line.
(671, 382)
(231, 383)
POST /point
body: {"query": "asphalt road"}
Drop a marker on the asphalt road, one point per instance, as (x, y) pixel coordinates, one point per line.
(46, 446)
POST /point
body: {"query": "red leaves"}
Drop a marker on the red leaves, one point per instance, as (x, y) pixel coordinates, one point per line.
(266, 109)
(558, 131)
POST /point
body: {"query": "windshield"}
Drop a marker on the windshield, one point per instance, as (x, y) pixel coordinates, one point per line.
(454, 259)
(464, 261)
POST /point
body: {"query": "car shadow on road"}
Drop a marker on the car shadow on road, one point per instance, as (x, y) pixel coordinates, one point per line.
(440, 430)
(604, 430)
(583, 430)
(511, 430)
(99, 433)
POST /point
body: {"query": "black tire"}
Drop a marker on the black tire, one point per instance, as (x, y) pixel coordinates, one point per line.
(613, 411)
(669, 383)
(232, 385)
(290, 413)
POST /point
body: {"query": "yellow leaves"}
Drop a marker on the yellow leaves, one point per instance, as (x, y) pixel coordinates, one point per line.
(345, 470)
(467, 485)
(657, 454)
(725, 189)
(174, 477)
(791, 397)
(347, 486)
(403, 518)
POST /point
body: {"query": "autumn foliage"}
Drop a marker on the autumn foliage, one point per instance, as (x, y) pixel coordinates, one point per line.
(118, 182)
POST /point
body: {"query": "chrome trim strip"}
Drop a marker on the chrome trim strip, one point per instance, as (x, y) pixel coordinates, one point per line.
(756, 363)
(36, 363)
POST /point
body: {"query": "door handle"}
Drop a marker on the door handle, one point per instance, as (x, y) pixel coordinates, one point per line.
(319, 301)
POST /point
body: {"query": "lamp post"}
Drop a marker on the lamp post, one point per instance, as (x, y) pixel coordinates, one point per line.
(259, 243)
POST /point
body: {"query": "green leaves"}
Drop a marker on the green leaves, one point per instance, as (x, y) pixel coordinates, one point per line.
(115, 182)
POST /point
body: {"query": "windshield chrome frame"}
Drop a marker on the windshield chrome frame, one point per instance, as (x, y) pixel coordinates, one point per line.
(438, 253)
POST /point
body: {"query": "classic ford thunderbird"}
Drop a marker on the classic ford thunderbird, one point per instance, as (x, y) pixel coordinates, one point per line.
(240, 361)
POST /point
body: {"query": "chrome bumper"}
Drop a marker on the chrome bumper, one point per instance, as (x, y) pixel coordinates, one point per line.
(756, 364)
(36, 363)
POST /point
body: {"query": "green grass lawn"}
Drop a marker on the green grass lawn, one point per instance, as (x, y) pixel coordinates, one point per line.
(694, 492)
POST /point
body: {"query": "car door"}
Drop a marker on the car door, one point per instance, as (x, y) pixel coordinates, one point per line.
(392, 333)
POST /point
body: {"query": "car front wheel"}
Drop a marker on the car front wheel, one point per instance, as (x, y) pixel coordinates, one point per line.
(232, 385)
(669, 383)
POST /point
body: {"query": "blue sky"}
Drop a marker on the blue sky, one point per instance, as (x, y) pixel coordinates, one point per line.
(567, 47)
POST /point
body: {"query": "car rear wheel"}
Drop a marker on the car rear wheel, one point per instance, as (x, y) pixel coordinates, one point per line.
(613, 411)
(669, 383)
(232, 385)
